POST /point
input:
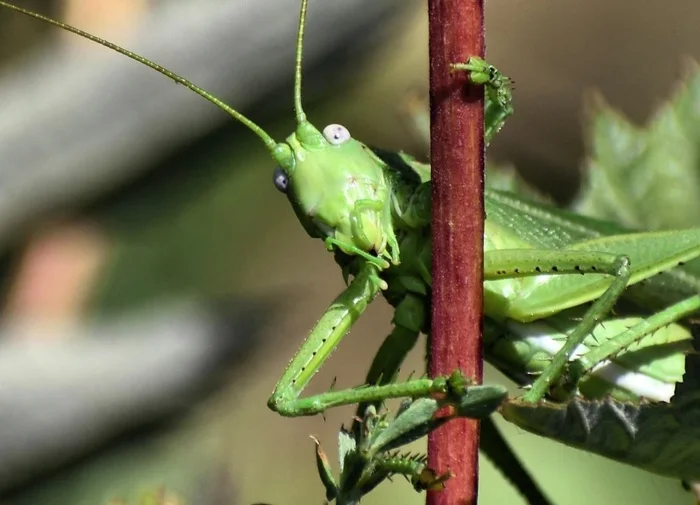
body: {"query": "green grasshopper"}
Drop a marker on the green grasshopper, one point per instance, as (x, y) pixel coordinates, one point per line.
(372, 209)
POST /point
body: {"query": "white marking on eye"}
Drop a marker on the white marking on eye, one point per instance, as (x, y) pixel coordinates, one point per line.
(336, 134)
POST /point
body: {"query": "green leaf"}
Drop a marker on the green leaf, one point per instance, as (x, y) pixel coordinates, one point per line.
(325, 472)
(648, 177)
(656, 436)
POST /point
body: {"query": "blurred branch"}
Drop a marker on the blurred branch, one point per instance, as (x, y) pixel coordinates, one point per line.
(66, 390)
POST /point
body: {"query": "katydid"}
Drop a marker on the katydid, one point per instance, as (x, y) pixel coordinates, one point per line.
(364, 231)
(639, 406)
(372, 210)
(373, 464)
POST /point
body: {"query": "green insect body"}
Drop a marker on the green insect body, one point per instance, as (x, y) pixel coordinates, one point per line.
(395, 201)
(522, 350)
(515, 292)
(372, 209)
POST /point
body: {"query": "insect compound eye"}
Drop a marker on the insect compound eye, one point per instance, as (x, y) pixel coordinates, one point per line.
(280, 179)
(336, 134)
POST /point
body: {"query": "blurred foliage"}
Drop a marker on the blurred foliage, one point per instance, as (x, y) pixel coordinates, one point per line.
(646, 177)
(159, 497)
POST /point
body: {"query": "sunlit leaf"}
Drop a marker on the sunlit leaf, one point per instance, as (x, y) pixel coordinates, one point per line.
(646, 177)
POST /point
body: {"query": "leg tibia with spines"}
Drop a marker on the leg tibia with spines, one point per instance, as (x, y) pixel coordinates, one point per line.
(500, 264)
(326, 335)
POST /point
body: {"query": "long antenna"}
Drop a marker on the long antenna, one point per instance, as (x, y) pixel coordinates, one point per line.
(301, 115)
(269, 141)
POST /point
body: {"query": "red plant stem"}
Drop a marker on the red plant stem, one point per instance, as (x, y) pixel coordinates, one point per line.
(457, 160)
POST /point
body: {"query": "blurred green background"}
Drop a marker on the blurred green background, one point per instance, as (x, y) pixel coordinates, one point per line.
(203, 220)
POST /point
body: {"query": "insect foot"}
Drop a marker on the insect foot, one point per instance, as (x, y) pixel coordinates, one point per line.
(473, 401)
(498, 93)
(566, 387)
(482, 72)
(430, 480)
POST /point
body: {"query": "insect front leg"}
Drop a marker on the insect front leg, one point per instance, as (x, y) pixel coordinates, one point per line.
(323, 339)
(320, 343)
(502, 264)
